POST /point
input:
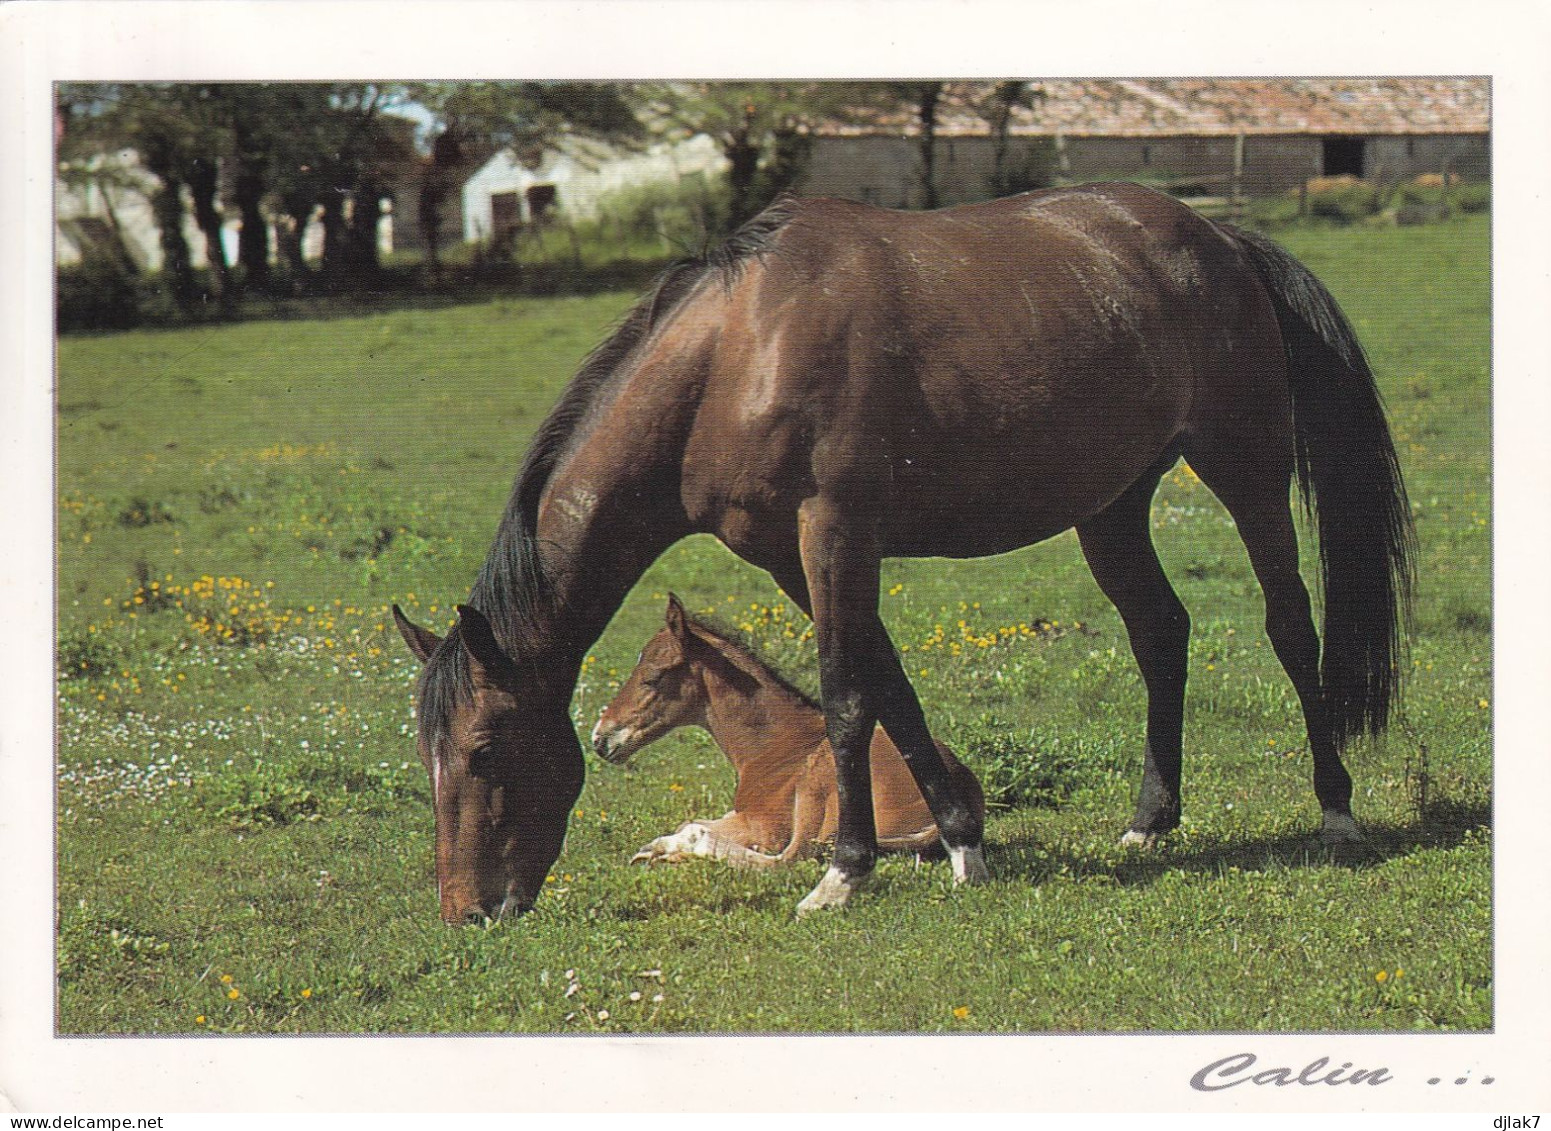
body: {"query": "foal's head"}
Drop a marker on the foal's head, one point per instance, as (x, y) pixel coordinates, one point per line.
(505, 768)
(663, 693)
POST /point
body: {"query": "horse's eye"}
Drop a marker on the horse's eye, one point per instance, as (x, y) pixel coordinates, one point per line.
(481, 758)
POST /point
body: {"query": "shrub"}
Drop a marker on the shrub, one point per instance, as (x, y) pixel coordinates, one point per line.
(1346, 202)
(88, 654)
(102, 292)
(1014, 771)
(1475, 196)
(263, 796)
(684, 215)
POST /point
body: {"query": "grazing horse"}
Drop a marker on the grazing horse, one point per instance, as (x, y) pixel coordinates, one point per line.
(839, 384)
(786, 804)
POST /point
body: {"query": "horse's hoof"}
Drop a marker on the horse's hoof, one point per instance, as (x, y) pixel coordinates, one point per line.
(969, 866)
(1340, 828)
(832, 891)
(1135, 838)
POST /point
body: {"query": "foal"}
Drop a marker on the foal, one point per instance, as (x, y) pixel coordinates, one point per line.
(786, 804)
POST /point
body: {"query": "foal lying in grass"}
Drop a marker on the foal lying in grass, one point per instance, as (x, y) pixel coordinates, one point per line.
(786, 805)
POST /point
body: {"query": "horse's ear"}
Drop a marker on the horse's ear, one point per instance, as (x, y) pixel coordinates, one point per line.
(677, 619)
(487, 663)
(422, 641)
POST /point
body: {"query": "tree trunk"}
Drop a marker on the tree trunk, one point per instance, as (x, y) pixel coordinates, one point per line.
(930, 93)
(1007, 94)
(788, 158)
(363, 261)
(743, 159)
(298, 210)
(334, 253)
(253, 237)
(429, 212)
(204, 184)
(177, 268)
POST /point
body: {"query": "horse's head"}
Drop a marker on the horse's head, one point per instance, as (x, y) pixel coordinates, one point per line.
(661, 694)
(505, 769)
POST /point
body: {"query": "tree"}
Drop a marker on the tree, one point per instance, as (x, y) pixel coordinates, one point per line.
(765, 129)
(997, 107)
(922, 99)
(475, 119)
(161, 121)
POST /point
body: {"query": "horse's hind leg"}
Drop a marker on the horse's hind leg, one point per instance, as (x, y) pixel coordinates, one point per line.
(1258, 500)
(1118, 545)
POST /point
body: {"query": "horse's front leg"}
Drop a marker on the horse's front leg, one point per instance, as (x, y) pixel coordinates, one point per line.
(862, 682)
(899, 710)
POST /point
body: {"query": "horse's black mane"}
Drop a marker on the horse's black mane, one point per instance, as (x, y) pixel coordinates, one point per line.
(511, 588)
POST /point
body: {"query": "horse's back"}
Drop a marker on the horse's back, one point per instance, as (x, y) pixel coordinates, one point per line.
(957, 370)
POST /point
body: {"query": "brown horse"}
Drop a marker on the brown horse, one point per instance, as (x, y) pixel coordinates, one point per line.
(840, 384)
(786, 804)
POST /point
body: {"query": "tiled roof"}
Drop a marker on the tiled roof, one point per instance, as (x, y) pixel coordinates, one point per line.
(1172, 107)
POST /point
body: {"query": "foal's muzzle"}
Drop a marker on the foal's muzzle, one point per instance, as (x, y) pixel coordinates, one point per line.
(611, 743)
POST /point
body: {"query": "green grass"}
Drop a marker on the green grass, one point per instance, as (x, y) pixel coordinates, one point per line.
(239, 796)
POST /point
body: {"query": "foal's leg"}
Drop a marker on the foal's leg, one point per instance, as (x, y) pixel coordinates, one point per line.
(1258, 502)
(863, 683)
(1118, 545)
(726, 839)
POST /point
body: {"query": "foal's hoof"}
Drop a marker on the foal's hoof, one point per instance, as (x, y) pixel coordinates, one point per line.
(1136, 838)
(833, 891)
(1340, 828)
(969, 866)
(691, 840)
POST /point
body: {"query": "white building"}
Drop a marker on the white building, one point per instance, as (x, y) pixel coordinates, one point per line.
(575, 181)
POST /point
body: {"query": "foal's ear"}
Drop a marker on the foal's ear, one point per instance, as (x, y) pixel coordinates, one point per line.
(677, 619)
(486, 660)
(422, 641)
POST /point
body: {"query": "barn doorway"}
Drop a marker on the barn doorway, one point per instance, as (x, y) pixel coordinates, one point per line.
(541, 202)
(1343, 156)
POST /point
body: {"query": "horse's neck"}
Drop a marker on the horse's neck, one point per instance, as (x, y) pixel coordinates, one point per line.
(765, 728)
(593, 553)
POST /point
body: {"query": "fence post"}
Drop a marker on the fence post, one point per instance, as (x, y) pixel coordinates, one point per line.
(1236, 206)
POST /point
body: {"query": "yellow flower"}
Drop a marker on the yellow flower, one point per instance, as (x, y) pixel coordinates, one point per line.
(306, 993)
(226, 979)
(961, 1011)
(1381, 976)
(234, 993)
(200, 1020)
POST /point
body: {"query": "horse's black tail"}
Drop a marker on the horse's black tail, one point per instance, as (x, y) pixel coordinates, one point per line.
(1350, 481)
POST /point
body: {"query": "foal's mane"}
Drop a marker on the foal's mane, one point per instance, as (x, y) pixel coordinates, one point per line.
(736, 643)
(512, 589)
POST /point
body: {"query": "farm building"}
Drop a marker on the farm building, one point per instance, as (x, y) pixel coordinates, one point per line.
(574, 181)
(1260, 136)
(1197, 136)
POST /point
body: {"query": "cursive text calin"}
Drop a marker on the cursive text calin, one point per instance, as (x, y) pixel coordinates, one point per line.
(1231, 1071)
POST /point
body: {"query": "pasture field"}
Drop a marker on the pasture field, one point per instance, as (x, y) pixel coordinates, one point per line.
(244, 837)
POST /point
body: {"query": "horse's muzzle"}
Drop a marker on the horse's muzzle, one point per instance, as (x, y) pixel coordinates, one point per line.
(479, 916)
